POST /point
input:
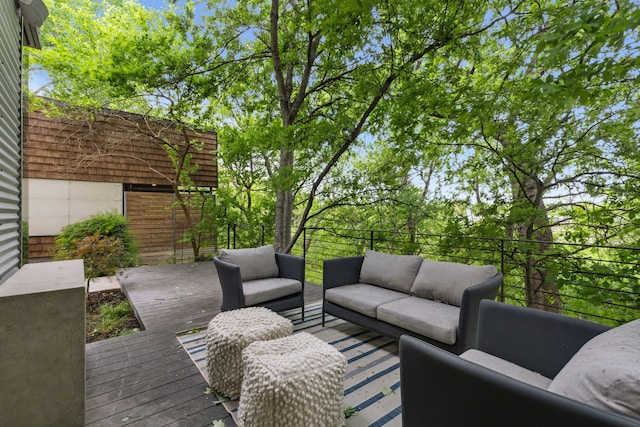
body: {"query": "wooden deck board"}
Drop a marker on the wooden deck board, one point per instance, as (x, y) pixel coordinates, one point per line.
(146, 378)
(100, 395)
(131, 372)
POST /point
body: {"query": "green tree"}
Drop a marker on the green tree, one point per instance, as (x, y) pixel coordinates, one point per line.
(314, 77)
(542, 120)
(306, 80)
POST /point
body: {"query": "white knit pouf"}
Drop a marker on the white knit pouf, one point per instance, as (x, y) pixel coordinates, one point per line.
(228, 334)
(291, 382)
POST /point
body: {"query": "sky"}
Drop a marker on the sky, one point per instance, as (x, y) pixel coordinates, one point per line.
(154, 4)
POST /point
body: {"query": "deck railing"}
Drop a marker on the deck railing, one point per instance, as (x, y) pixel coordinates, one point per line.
(600, 283)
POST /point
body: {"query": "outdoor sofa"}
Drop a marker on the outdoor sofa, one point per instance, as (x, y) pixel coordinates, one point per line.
(260, 277)
(528, 368)
(405, 294)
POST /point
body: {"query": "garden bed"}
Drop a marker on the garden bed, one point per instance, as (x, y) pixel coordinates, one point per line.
(109, 314)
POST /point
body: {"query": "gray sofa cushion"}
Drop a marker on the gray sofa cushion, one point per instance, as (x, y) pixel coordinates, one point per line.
(390, 271)
(254, 263)
(507, 368)
(425, 317)
(446, 281)
(263, 290)
(605, 372)
(362, 298)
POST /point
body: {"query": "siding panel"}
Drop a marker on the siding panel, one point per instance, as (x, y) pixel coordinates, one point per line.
(10, 139)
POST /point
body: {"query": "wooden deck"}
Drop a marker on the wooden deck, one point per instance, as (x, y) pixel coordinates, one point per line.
(146, 378)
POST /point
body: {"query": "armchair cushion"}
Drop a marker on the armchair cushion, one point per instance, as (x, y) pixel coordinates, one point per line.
(506, 368)
(605, 372)
(390, 271)
(254, 263)
(446, 281)
(263, 290)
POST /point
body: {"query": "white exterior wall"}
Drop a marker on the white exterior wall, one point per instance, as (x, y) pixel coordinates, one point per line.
(51, 204)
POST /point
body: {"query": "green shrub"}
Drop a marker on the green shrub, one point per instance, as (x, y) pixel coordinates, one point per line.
(104, 241)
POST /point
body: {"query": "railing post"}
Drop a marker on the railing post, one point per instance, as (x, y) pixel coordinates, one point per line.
(371, 240)
(228, 236)
(262, 234)
(502, 269)
(234, 236)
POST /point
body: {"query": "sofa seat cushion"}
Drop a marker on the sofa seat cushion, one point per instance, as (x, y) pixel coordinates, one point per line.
(446, 281)
(507, 368)
(263, 290)
(254, 263)
(362, 298)
(395, 272)
(432, 319)
(605, 372)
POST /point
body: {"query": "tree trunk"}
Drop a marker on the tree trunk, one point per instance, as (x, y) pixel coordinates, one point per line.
(284, 202)
(184, 205)
(284, 194)
(180, 165)
(541, 290)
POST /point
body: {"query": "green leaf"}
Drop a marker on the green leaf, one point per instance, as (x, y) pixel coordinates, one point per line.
(386, 391)
(349, 411)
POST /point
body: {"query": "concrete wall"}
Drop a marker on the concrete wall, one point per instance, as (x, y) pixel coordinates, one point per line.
(42, 350)
(50, 204)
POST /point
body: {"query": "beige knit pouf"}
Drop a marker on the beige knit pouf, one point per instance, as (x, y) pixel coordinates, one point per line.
(228, 334)
(291, 382)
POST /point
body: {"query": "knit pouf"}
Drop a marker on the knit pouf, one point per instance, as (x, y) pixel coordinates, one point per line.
(228, 334)
(291, 382)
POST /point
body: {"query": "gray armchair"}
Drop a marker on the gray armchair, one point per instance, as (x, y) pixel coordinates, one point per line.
(509, 376)
(260, 277)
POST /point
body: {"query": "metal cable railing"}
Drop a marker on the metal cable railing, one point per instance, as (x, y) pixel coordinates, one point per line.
(600, 283)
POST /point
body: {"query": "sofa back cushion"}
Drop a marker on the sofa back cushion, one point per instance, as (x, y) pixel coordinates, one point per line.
(605, 372)
(446, 281)
(390, 271)
(254, 263)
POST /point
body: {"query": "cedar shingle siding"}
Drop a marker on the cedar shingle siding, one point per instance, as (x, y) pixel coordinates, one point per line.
(110, 149)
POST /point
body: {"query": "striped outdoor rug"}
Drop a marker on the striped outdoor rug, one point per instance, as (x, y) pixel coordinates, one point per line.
(372, 380)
